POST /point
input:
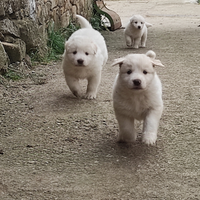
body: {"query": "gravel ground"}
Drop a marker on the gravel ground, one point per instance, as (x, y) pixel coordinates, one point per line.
(54, 146)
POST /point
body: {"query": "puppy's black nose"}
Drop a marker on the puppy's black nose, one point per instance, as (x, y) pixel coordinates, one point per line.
(139, 27)
(80, 61)
(137, 82)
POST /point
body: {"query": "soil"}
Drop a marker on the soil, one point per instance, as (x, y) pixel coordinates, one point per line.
(55, 146)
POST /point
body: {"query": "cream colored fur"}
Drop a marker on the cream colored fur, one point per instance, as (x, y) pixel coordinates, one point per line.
(137, 95)
(84, 57)
(136, 32)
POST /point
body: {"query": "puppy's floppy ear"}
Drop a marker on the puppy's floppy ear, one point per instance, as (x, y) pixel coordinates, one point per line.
(156, 63)
(67, 45)
(148, 24)
(132, 18)
(70, 45)
(118, 61)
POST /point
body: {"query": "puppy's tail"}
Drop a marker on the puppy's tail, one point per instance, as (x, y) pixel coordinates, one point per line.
(83, 22)
(151, 54)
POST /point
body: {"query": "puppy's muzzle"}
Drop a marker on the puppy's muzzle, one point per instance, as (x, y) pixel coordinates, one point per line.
(139, 27)
(80, 61)
(137, 82)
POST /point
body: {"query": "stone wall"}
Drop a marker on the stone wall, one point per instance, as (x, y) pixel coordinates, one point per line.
(24, 23)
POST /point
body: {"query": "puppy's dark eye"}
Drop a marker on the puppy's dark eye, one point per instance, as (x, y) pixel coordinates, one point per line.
(74, 52)
(86, 53)
(141, 22)
(145, 72)
(129, 71)
(135, 22)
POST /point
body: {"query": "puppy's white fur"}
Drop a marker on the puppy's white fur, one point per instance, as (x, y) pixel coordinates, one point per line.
(84, 57)
(136, 32)
(137, 94)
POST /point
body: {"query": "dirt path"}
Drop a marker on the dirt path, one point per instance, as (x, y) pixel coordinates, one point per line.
(53, 146)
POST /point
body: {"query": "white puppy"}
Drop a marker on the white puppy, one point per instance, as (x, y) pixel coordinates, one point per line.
(136, 31)
(137, 94)
(85, 55)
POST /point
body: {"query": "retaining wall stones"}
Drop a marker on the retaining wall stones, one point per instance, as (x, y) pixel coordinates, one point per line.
(24, 23)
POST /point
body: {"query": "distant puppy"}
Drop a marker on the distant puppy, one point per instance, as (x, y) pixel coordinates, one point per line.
(136, 32)
(84, 57)
(137, 94)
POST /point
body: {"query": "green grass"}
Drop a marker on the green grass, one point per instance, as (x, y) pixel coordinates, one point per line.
(13, 74)
(95, 21)
(55, 44)
(57, 38)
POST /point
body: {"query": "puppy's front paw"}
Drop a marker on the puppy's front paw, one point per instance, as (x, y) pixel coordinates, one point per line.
(149, 138)
(76, 94)
(128, 45)
(90, 95)
(128, 137)
(135, 46)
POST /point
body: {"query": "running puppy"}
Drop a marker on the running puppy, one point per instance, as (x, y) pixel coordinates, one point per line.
(136, 32)
(84, 57)
(137, 95)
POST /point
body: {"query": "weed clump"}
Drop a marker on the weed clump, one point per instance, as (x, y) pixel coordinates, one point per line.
(57, 38)
(55, 44)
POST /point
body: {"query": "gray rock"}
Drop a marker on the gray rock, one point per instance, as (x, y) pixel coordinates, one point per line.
(4, 61)
(31, 34)
(8, 27)
(16, 51)
(2, 11)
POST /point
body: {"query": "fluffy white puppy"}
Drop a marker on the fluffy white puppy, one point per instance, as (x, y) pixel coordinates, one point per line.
(85, 55)
(137, 94)
(136, 32)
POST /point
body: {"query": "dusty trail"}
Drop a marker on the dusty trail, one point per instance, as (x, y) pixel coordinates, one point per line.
(54, 146)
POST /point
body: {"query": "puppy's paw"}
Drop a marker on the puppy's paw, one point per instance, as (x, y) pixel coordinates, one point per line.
(149, 138)
(90, 95)
(76, 94)
(128, 45)
(143, 45)
(127, 138)
(135, 46)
